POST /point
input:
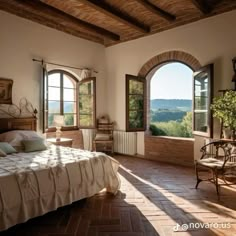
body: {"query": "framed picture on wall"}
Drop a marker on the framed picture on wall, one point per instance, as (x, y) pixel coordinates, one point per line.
(6, 91)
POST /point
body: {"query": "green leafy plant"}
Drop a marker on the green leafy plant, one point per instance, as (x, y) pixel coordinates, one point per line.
(156, 131)
(174, 128)
(224, 108)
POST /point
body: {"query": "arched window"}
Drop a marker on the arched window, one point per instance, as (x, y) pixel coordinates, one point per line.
(65, 95)
(138, 116)
(62, 97)
(171, 100)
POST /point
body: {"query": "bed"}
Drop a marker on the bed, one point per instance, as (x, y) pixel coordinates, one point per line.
(37, 182)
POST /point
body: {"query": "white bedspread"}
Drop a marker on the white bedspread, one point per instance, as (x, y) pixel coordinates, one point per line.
(32, 184)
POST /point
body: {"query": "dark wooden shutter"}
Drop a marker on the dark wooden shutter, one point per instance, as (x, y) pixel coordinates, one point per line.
(87, 103)
(135, 103)
(202, 99)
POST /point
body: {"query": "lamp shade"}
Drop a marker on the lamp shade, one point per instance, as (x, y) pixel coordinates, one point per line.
(58, 120)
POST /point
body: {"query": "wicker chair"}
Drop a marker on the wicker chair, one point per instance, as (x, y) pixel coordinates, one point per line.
(219, 160)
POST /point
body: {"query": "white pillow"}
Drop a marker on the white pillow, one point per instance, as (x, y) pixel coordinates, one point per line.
(15, 137)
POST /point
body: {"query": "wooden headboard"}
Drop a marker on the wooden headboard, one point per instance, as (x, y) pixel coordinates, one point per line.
(26, 123)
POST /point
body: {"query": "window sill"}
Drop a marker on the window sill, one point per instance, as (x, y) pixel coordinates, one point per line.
(170, 137)
(50, 130)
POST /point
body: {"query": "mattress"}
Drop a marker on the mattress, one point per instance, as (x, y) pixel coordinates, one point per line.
(32, 184)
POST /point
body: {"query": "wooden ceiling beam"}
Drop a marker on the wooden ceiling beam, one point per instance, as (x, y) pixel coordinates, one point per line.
(112, 12)
(156, 10)
(88, 26)
(50, 13)
(202, 6)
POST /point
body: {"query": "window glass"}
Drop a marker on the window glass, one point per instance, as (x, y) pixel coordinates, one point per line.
(69, 107)
(202, 116)
(135, 104)
(70, 119)
(86, 88)
(135, 119)
(51, 118)
(54, 107)
(64, 95)
(135, 87)
(68, 82)
(87, 103)
(86, 120)
(54, 80)
(54, 94)
(69, 95)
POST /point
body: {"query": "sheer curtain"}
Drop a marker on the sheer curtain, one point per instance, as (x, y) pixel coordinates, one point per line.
(88, 136)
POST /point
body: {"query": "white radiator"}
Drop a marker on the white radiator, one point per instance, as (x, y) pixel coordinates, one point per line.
(125, 142)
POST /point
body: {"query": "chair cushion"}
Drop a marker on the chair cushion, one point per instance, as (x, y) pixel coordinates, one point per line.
(210, 162)
(102, 137)
(214, 163)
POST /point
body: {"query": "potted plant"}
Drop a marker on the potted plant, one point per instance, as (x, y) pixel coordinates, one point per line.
(224, 108)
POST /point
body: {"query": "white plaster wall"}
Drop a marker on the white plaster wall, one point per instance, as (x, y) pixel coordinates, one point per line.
(21, 40)
(210, 40)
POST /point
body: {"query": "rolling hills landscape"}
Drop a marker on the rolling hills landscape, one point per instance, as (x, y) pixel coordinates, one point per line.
(171, 104)
(171, 117)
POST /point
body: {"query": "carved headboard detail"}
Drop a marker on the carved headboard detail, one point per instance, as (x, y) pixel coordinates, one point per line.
(24, 109)
(27, 123)
(18, 117)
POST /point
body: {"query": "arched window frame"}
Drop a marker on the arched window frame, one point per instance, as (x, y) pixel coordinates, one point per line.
(78, 83)
(149, 78)
(165, 57)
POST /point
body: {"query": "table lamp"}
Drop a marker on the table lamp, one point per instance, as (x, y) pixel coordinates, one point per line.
(58, 122)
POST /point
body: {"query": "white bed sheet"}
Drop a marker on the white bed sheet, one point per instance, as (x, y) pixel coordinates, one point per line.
(32, 184)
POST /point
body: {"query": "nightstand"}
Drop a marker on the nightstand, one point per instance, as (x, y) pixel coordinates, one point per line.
(65, 142)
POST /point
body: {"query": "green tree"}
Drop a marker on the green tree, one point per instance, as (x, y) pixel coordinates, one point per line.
(187, 125)
(172, 128)
(69, 119)
(156, 131)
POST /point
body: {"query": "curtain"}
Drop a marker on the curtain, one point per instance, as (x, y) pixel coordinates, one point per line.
(44, 95)
(85, 73)
(88, 136)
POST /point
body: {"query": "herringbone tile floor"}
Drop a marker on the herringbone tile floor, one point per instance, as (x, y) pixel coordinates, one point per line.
(153, 198)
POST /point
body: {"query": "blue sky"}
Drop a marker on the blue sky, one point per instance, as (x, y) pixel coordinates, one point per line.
(172, 81)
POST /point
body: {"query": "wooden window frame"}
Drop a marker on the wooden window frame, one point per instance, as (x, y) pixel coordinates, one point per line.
(94, 102)
(144, 110)
(209, 69)
(64, 128)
